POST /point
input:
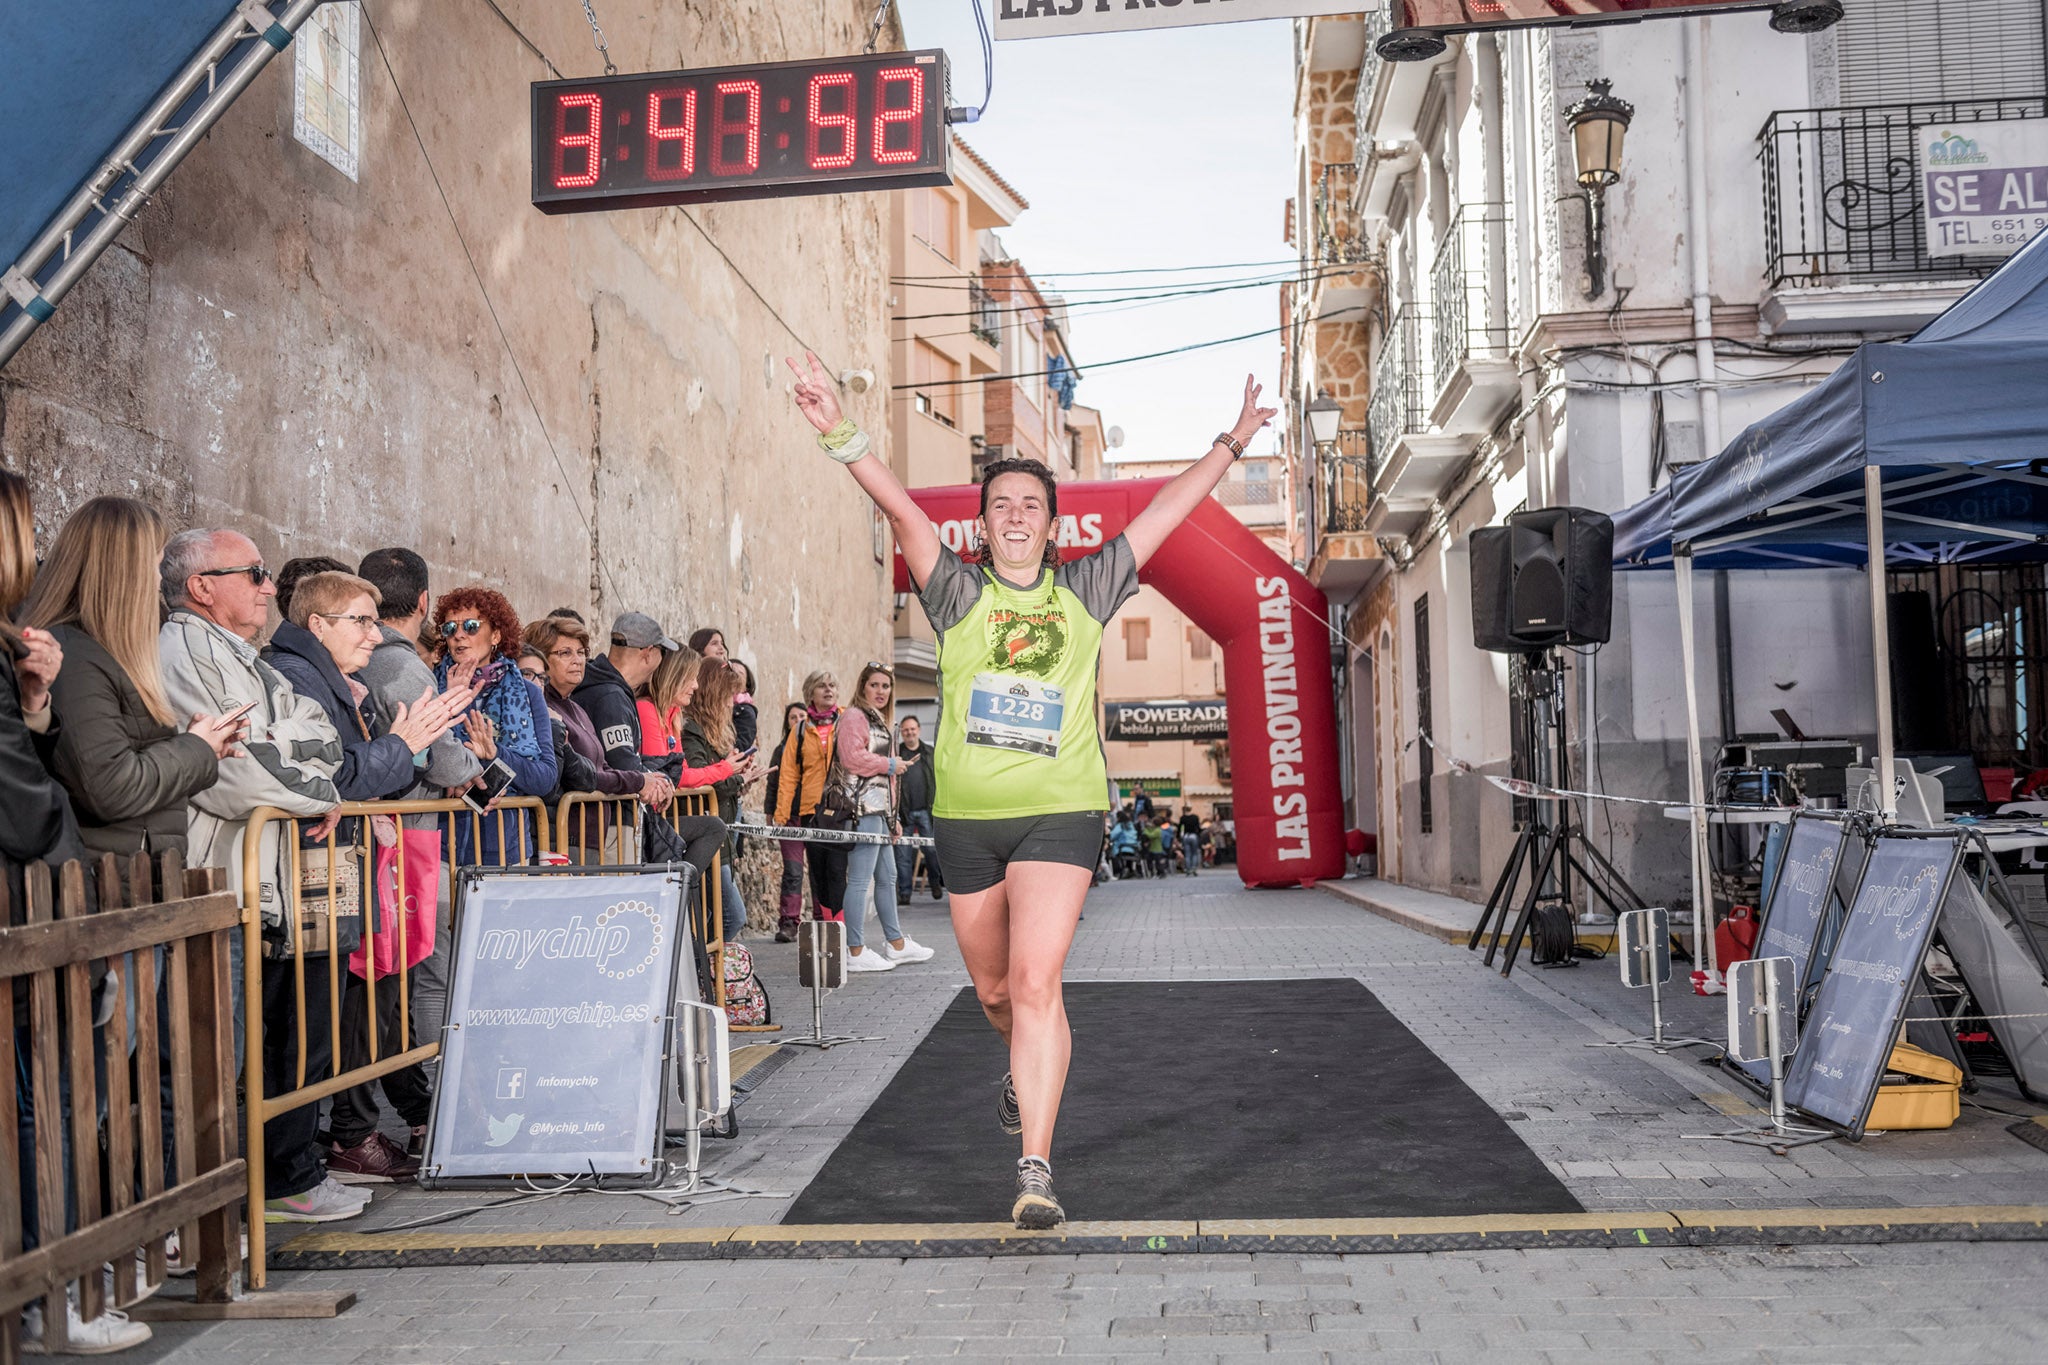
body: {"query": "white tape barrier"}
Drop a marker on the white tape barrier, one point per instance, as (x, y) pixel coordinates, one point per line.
(807, 835)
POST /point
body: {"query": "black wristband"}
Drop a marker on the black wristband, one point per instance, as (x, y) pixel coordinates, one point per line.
(1236, 446)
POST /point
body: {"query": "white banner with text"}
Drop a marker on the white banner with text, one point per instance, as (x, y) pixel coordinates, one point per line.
(1057, 18)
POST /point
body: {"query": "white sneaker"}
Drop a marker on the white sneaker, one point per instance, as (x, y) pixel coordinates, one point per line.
(868, 960)
(330, 1201)
(109, 1332)
(911, 951)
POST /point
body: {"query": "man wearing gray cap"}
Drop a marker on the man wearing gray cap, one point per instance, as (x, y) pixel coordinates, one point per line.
(612, 680)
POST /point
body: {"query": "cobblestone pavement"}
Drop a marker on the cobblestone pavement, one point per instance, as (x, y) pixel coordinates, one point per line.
(1610, 1122)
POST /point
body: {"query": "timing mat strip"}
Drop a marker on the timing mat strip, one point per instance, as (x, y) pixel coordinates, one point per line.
(1676, 1228)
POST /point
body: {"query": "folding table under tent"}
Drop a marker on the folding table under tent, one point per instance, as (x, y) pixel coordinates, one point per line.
(1931, 450)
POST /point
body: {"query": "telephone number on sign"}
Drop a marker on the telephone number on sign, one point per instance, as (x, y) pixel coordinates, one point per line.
(2015, 231)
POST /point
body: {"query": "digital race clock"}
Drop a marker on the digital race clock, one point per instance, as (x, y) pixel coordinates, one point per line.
(873, 122)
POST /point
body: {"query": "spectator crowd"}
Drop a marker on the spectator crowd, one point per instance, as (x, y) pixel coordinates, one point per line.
(143, 709)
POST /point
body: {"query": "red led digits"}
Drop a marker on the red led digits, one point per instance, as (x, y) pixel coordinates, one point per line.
(822, 122)
(886, 118)
(588, 140)
(749, 127)
(682, 133)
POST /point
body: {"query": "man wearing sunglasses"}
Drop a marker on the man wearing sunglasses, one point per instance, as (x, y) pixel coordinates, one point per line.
(219, 594)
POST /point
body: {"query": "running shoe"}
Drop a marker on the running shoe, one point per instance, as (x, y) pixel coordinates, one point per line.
(330, 1201)
(1036, 1208)
(868, 960)
(911, 951)
(1007, 1113)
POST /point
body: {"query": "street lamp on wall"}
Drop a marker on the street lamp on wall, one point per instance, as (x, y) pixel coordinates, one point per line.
(1599, 127)
(1325, 414)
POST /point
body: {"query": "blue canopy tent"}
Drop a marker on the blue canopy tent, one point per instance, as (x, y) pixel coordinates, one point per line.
(1931, 450)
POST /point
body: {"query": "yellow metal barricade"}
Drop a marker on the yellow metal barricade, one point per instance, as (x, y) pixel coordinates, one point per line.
(331, 881)
(594, 830)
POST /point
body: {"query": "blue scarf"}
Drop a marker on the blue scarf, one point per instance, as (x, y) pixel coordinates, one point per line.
(507, 699)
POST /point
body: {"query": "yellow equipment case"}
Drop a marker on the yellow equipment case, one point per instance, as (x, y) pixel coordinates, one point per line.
(1919, 1090)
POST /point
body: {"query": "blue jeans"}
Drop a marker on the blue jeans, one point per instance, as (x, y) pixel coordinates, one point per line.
(916, 822)
(1190, 853)
(729, 900)
(866, 866)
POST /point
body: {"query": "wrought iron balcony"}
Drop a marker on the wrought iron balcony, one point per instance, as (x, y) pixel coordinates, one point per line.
(1340, 236)
(1346, 470)
(1842, 195)
(984, 315)
(1399, 406)
(1379, 21)
(1466, 317)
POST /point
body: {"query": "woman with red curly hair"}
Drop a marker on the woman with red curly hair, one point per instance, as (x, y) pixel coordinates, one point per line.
(509, 719)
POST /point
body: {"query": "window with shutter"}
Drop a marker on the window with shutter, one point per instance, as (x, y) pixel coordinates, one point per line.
(1894, 51)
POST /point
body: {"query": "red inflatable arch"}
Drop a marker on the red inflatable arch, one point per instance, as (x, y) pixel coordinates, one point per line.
(1276, 662)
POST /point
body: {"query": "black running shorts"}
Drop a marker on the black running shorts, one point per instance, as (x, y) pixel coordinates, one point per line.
(975, 854)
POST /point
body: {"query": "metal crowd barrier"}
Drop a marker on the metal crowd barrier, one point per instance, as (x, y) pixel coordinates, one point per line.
(78, 1052)
(311, 907)
(604, 831)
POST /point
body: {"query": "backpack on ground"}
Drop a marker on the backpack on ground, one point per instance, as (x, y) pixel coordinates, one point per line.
(746, 999)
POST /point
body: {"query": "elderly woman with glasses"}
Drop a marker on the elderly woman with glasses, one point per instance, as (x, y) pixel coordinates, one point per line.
(563, 649)
(509, 721)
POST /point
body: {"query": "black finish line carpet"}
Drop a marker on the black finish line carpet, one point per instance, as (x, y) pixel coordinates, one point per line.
(1202, 1099)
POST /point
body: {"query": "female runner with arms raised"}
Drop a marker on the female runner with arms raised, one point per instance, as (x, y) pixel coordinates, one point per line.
(1021, 778)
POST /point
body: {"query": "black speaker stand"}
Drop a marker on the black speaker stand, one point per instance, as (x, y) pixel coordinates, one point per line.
(1552, 844)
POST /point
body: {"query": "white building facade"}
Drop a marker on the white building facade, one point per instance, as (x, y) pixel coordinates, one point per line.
(1765, 222)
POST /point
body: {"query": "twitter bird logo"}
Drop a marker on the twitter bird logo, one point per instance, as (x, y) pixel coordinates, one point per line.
(503, 1130)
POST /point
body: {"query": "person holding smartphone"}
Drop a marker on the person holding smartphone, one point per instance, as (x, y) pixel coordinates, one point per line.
(508, 728)
(707, 739)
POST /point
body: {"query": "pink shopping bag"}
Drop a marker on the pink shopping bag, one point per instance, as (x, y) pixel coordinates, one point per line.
(420, 900)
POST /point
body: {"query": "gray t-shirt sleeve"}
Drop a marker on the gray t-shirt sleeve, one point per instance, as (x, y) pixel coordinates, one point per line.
(1104, 580)
(951, 592)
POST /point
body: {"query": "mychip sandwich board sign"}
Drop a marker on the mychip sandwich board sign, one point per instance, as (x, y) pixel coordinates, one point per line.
(1857, 1012)
(1796, 911)
(561, 1005)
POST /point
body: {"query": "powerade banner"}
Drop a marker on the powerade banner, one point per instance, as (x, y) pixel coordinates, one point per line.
(558, 1023)
(1848, 1035)
(1984, 186)
(1205, 719)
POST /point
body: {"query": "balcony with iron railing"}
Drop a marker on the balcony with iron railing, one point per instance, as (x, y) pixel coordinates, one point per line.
(1413, 457)
(984, 315)
(1344, 554)
(1845, 226)
(1475, 377)
(1399, 406)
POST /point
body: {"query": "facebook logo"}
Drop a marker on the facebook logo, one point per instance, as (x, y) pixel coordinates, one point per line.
(511, 1082)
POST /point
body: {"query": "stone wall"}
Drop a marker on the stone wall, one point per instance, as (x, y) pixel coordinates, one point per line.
(311, 359)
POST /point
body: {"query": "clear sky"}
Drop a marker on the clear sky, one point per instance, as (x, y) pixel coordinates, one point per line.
(1136, 151)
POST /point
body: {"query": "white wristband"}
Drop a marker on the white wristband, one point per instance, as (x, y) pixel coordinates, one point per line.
(853, 450)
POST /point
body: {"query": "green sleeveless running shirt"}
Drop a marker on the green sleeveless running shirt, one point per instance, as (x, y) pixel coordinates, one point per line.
(1017, 733)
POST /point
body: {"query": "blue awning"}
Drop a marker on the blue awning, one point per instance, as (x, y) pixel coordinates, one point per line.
(1956, 418)
(79, 75)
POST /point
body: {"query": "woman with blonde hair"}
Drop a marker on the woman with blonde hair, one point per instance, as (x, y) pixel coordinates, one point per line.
(129, 772)
(867, 754)
(708, 738)
(661, 705)
(806, 759)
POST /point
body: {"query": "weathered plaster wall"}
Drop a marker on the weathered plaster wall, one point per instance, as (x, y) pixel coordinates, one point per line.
(311, 359)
